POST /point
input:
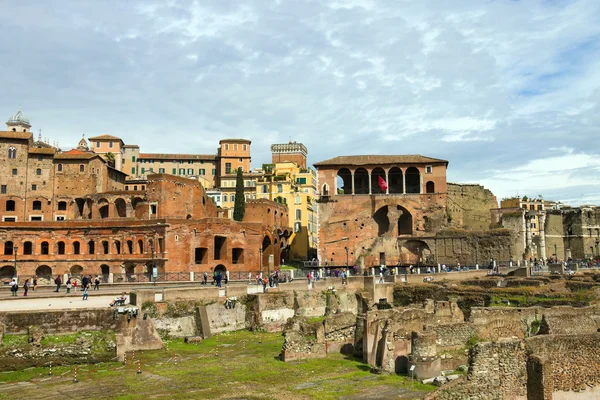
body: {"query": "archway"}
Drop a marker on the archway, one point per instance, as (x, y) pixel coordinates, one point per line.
(8, 248)
(90, 205)
(405, 222)
(430, 187)
(395, 180)
(221, 268)
(7, 272)
(415, 251)
(361, 181)
(103, 208)
(382, 220)
(76, 270)
(375, 175)
(325, 190)
(121, 208)
(266, 250)
(135, 202)
(344, 181)
(79, 205)
(44, 274)
(105, 271)
(413, 180)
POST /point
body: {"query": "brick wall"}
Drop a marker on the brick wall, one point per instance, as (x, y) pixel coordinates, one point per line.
(59, 321)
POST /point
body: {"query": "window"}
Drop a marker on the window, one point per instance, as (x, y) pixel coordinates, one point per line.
(34, 187)
(3, 189)
(10, 205)
(201, 171)
(9, 219)
(235, 146)
(97, 144)
(59, 167)
(38, 171)
(225, 197)
(61, 247)
(298, 215)
(12, 152)
(60, 217)
(37, 205)
(298, 200)
(279, 188)
(27, 248)
(8, 248)
(228, 168)
(15, 171)
(45, 248)
(76, 248)
(244, 147)
(239, 159)
(82, 168)
(62, 205)
(132, 158)
(190, 161)
(143, 170)
(133, 170)
(428, 169)
(105, 247)
(532, 206)
(91, 247)
(226, 147)
(190, 171)
(301, 181)
(181, 171)
(110, 144)
(233, 197)
(134, 187)
(161, 170)
(214, 171)
(265, 189)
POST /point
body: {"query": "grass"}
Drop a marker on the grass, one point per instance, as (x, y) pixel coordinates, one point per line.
(15, 340)
(246, 367)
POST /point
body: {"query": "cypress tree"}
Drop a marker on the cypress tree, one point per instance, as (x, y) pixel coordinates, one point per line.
(239, 207)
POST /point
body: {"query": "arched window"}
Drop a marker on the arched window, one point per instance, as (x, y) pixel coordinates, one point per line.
(325, 190)
(45, 248)
(27, 248)
(8, 248)
(344, 181)
(413, 180)
(38, 171)
(59, 167)
(224, 197)
(141, 246)
(91, 247)
(81, 168)
(10, 205)
(12, 152)
(37, 205)
(76, 248)
(430, 187)
(105, 247)
(61, 247)
(130, 246)
(118, 246)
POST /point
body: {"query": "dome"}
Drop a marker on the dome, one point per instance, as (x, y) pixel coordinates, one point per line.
(18, 119)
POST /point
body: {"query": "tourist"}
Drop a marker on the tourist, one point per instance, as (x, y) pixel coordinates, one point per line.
(270, 280)
(35, 282)
(69, 285)
(85, 292)
(343, 277)
(264, 283)
(380, 276)
(249, 278)
(14, 286)
(205, 277)
(57, 282)
(96, 282)
(74, 283)
(119, 300)
(309, 277)
(26, 287)
(84, 281)
(218, 279)
(214, 277)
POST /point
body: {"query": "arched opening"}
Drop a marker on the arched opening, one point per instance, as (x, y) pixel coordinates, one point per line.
(118, 247)
(378, 181)
(8, 248)
(27, 248)
(44, 248)
(90, 204)
(91, 247)
(103, 208)
(188, 216)
(44, 272)
(130, 246)
(135, 202)
(79, 205)
(76, 270)
(430, 187)
(266, 250)
(344, 181)
(60, 247)
(7, 272)
(105, 271)
(405, 224)
(105, 247)
(129, 271)
(414, 251)
(10, 205)
(220, 268)
(141, 246)
(395, 180)
(361, 181)
(76, 248)
(382, 220)
(62, 206)
(325, 190)
(121, 207)
(37, 205)
(413, 180)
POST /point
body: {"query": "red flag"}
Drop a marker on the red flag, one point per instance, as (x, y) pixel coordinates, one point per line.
(382, 184)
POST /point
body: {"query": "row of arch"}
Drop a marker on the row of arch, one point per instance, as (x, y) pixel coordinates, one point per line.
(60, 247)
(380, 181)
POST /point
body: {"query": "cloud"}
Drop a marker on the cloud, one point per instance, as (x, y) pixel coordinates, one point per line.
(508, 92)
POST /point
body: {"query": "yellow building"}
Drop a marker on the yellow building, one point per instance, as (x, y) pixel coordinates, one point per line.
(531, 205)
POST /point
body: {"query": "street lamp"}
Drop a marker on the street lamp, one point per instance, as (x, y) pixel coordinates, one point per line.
(15, 249)
(154, 274)
(418, 258)
(260, 252)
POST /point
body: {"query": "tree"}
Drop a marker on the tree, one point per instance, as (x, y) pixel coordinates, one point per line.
(110, 158)
(239, 207)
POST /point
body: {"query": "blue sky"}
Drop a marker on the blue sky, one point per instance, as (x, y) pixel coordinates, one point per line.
(507, 91)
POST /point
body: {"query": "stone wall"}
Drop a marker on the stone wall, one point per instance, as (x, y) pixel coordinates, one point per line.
(469, 205)
(59, 321)
(454, 335)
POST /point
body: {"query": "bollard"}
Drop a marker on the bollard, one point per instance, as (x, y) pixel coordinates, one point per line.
(125, 358)
(132, 355)
(175, 357)
(50, 372)
(75, 375)
(139, 371)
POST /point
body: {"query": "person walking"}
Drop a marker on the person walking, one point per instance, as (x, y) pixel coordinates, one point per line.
(85, 282)
(218, 279)
(205, 276)
(69, 285)
(35, 282)
(85, 292)
(14, 286)
(57, 282)
(97, 283)
(74, 283)
(249, 278)
(26, 287)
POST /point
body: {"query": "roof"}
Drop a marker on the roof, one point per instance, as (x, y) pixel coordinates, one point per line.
(158, 156)
(105, 137)
(76, 156)
(378, 160)
(18, 119)
(42, 150)
(131, 146)
(234, 141)
(15, 135)
(76, 151)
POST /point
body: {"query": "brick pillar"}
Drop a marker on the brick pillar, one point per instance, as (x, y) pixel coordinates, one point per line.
(352, 182)
(539, 378)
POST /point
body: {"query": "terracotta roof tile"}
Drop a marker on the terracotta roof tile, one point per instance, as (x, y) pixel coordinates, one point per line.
(105, 137)
(378, 160)
(234, 141)
(76, 156)
(42, 150)
(158, 156)
(15, 135)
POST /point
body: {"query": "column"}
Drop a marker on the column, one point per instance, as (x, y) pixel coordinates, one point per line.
(352, 182)
(404, 182)
(542, 227)
(370, 183)
(527, 232)
(387, 181)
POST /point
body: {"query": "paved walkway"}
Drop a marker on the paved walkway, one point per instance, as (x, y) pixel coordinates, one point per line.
(55, 303)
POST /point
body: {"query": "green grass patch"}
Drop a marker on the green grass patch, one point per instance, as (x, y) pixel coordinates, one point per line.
(15, 340)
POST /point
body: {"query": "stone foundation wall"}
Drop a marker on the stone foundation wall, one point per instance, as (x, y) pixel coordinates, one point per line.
(452, 335)
(59, 321)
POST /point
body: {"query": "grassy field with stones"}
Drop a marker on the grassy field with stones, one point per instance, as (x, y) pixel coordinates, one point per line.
(246, 367)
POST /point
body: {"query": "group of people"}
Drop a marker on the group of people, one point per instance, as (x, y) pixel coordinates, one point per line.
(14, 286)
(86, 283)
(217, 278)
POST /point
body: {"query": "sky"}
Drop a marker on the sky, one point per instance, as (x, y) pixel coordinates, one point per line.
(507, 91)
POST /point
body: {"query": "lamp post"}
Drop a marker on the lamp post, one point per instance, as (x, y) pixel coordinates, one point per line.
(418, 258)
(260, 252)
(154, 274)
(15, 249)
(346, 256)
